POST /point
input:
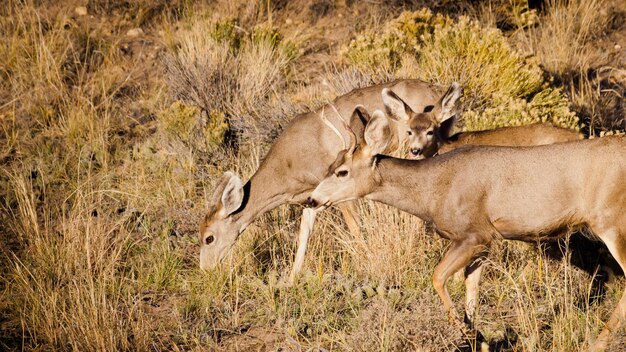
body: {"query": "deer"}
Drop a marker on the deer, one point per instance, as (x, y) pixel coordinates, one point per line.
(429, 133)
(477, 194)
(299, 159)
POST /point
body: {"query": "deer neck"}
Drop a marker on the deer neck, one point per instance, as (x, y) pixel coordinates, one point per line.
(262, 193)
(408, 185)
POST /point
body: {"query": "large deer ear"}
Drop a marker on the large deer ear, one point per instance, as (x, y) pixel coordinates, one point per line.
(359, 119)
(446, 108)
(229, 191)
(377, 133)
(395, 107)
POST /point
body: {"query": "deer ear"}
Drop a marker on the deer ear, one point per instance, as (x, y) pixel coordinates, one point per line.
(231, 193)
(219, 187)
(446, 108)
(377, 133)
(358, 121)
(394, 106)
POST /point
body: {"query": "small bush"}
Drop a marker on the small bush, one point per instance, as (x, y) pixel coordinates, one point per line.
(183, 123)
(384, 51)
(501, 87)
(223, 69)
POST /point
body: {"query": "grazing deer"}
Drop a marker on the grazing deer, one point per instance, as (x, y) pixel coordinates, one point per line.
(299, 159)
(474, 195)
(429, 131)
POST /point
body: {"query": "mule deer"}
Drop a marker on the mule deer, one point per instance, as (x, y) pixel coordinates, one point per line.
(429, 135)
(429, 131)
(299, 159)
(474, 195)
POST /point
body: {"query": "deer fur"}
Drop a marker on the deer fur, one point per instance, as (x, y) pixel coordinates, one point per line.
(295, 164)
(429, 132)
(475, 195)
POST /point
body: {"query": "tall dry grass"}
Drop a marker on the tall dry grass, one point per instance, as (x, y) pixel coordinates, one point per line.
(564, 40)
(561, 38)
(100, 207)
(69, 293)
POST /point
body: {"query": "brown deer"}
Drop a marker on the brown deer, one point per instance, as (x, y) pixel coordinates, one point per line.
(299, 159)
(429, 134)
(475, 195)
(429, 131)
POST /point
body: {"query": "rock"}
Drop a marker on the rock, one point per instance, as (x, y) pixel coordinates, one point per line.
(81, 11)
(617, 46)
(135, 32)
(288, 21)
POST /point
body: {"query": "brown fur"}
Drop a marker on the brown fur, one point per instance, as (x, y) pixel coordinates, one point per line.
(300, 158)
(474, 195)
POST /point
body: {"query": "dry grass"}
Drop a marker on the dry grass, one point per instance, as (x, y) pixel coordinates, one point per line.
(560, 40)
(221, 67)
(109, 156)
(565, 41)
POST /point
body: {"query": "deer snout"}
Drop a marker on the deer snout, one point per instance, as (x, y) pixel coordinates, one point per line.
(415, 152)
(310, 202)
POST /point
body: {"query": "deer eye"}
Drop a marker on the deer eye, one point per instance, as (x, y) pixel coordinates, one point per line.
(430, 133)
(409, 133)
(209, 240)
(342, 173)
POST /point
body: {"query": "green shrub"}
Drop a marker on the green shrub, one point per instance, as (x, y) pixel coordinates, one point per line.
(197, 131)
(228, 31)
(501, 87)
(384, 51)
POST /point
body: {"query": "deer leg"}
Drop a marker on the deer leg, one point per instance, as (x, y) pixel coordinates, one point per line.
(472, 279)
(616, 242)
(306, 226)
(459, 255)
(351, 215)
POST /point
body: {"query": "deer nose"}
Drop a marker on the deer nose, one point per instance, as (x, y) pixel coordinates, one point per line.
(416, 151)
(310, 202)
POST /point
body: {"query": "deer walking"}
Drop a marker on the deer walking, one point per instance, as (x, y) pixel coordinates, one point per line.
(475, 195)
(300, 158)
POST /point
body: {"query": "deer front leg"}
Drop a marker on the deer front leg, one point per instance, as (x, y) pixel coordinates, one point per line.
(306, 226)
(459, 255)
(472, 279)
(615, 240)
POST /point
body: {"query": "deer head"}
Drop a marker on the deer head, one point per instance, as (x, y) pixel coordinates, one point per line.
(219, 229)
(349, 177)
(425, 131)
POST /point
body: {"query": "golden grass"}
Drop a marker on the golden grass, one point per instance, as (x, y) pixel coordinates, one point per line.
(560, 40)
(104, 179)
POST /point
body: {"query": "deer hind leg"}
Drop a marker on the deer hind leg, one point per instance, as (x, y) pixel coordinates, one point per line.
(615, 240)
(306, 226)
(351, 215)
(459, 255)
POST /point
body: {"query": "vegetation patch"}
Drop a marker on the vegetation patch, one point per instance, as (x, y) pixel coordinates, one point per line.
(501, 87)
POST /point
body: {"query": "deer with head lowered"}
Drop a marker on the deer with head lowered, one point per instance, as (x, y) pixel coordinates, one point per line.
(299, 159)
(428, 132)
(477, 194)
